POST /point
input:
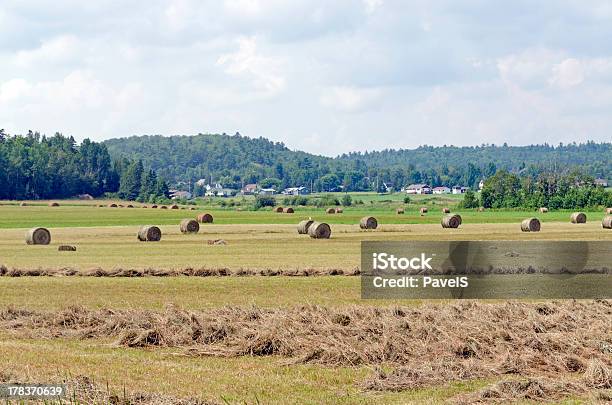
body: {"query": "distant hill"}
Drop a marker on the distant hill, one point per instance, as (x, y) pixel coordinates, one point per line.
(239, 160)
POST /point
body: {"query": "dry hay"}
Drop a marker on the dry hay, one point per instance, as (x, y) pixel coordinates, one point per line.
(216, 242)
(330, 211)
(189, 225)
(607, 222)
(423, 210)
(153, 206)
(303, 226)
(149, 233)
(174, 207)
(289, 210)
(163, 207)
(38, 236)
(120, 206)
(530, 225)
(578, 218)
(129, 206)
(339, 210)
(399, 211)
(84, 390)
(319, 230)
(66, 248)
(144, 206)
(368, 223)
(422, 346)
(451, 221)
(205, 218)
(176, 272)
(543, 210)
(277, 209)
(23, 204)
(53, 204)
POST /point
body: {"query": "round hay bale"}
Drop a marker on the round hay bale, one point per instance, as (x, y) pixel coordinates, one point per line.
(319, 230)
(330, 211)
(189, 225)
(339, 211)
(578, 218)
(100, 205)
(446, 210)
(53, 204)
(120, 205)
(399, 211)
(451, 221)
(303, 226)
(23, 204)
(144, 206)
(608, 211)
(153, 206)
(543, 210)
(423, 210)
(163, 207)
(481, 209)
(130, 206)
(607, 222)
(277, 209)
(289, 210)
(38, 236)
(174, 207)
(205, 218)
(192, 208)
(149, 233)
(66, 248)
(530, 225)
(368, 223)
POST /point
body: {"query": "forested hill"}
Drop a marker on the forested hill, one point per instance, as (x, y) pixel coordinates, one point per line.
(235, 160)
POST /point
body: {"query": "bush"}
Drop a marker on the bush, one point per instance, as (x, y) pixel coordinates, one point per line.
(264, 201)
(347, 201)
(406, 200)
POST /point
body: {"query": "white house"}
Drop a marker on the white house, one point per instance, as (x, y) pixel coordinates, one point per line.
(249, 189)
(459, 189)
(601, 182)
(418, 189)
(481, 185)
(441, 190)
(296, 191)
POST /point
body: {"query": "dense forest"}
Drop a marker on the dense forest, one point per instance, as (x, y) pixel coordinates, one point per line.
(237, 160)
(34, 166)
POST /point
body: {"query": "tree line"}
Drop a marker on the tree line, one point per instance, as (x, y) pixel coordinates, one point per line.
(551, 190)
(34, 166)
(237, 160)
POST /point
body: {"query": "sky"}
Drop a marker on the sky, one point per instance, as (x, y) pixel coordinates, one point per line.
(326, 77)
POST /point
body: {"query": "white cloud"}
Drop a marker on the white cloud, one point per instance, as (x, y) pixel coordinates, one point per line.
(55, 50)
(350, 99)
(567, 74)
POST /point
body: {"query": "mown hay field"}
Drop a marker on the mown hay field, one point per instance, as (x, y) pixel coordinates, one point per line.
(266, 242)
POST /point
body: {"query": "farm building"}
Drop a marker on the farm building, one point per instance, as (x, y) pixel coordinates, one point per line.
(418, 189)
(441, 190)
(176, 194)
(296, 191)
(459, 189)
(249, 189)
(267, 191)
(601, 182)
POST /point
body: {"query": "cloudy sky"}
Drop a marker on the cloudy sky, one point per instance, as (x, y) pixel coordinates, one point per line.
(322, 76)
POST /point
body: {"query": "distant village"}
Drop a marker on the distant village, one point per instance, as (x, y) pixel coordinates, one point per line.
(217, 190)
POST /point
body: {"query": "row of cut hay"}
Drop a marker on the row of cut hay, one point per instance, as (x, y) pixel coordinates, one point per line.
(423, 344)
(173, 272)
